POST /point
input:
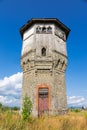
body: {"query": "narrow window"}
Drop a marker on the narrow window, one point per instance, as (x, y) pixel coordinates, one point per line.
(49, 29)
(44, 29)
(43, 51)
(38, 29)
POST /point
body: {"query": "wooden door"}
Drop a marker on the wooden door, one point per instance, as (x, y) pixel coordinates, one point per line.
(43, 101)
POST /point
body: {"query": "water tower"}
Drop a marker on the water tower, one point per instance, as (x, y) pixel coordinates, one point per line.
(44, 61)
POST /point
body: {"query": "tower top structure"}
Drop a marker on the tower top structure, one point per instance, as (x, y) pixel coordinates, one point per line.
(44, 21)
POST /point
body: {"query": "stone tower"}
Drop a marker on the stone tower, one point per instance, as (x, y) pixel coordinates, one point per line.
(44, 61)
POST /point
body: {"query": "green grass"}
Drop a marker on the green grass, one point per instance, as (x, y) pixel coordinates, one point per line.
(11, 120)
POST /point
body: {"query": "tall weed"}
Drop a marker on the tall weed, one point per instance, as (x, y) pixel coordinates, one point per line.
(11, 120)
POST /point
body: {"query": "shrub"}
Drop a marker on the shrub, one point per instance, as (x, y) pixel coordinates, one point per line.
(27, 108)
(15, 108)
(77, 110)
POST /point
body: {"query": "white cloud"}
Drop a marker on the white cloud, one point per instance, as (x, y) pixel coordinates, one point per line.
(76, 101)
(10, 90)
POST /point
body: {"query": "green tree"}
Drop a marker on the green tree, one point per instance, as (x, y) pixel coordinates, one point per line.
(27, 108)
(15, 108)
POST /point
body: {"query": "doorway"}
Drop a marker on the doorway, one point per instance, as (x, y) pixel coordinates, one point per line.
(43, 107)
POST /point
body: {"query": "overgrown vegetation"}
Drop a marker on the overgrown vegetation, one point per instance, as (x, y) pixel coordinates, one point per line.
(27, 108)
(11, 120)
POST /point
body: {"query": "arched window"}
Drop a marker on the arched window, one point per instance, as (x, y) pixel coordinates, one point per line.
(38, 29)
(49, 29)
(43, 51)
(44, 29)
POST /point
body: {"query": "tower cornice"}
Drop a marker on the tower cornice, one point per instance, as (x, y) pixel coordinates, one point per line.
(44, 20)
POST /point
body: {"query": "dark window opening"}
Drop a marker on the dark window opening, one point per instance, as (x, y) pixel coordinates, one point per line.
(49, 29)
(43, 52)
(43, 29)
(38, 29)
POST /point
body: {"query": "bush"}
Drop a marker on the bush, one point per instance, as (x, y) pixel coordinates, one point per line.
(27, 108)
(75, 110)
(15, 108)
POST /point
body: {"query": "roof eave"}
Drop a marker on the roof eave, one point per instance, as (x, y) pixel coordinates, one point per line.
(44, 20)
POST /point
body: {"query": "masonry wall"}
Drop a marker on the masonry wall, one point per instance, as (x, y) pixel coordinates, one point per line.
(48, 70)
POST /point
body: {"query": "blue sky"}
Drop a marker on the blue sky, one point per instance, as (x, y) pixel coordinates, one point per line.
(14, 14)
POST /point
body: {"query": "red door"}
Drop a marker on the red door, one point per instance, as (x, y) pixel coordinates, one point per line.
(43, 101)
